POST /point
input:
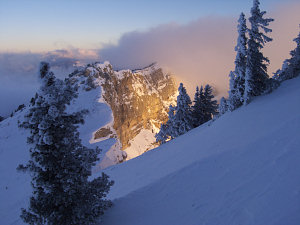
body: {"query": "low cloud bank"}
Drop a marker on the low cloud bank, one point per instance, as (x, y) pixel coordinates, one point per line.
(202, 51)
(197, 53)
(19, 73)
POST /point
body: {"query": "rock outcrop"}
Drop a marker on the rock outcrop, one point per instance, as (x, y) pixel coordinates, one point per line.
(139, 101)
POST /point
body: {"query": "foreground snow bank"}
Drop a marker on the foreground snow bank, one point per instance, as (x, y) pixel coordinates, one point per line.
(241, 169)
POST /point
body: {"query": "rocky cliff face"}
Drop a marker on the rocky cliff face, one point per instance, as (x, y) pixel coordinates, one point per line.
(139, 102)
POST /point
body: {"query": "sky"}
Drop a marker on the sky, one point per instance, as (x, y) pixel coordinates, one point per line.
(194, 40)
(44, 25)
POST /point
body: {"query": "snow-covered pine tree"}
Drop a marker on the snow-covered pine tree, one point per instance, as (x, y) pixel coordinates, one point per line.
(170, 122)
(166, 131)
(162, 136)
(295, 60)
(183, 120)
(60, 165)
(197, 108)
(256, 79)
(223, 106)
(237, 78)
(291, 66)
(210, 105)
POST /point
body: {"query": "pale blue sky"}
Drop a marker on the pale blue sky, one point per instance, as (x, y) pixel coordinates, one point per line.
(42, 25)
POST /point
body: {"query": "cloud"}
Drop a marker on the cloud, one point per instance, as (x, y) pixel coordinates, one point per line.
(198, 52)
(18, 73)
(66, 58)
(202, 51)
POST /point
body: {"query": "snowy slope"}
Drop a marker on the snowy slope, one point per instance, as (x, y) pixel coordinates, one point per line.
(241, 169)
(15, 186)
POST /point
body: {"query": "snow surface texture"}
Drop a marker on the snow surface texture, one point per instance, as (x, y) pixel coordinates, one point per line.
(140, 144)
(242, 169)
(14, 187)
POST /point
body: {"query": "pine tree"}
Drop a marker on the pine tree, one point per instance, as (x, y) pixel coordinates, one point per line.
(60, 165)
(256, 78)
(183, 117)
(223, 106)
(166, 131)
(210, 106)
(237, 77)
(291, 66)
(197, 108)
(162, 136)
(183, 120)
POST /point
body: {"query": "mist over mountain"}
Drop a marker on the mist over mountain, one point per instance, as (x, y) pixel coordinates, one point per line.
(198, 52)
(19, 73)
